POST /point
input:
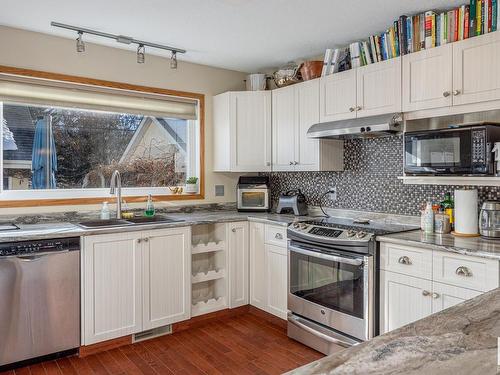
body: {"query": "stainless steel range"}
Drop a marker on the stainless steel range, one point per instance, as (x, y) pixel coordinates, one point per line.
(332, 281)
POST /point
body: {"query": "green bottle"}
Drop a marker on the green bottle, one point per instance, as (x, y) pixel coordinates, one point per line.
(448, 206)
(150, 208)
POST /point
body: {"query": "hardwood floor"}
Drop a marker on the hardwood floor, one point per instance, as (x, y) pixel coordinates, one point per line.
(243, 344)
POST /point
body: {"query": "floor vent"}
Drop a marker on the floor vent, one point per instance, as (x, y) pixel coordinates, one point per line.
(152, 333)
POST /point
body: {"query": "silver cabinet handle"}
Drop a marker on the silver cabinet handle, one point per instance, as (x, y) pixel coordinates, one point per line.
(295, 162)
(446, 94)
(146, 239)
(426, 293)
(435, 295)
(278, 236)
(404, 260)
(358, 108)
(456, 92)
(139, 240)
(352, 109)
(463, 271)
(291, 163)
(233, 230)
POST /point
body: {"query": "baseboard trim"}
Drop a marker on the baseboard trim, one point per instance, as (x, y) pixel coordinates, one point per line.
(207, 318)
(87, 350)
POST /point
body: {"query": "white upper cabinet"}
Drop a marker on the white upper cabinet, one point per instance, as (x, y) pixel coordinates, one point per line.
(427, 79)
(295, 109)
(338, 96)
(242, 131)
(476, 69)
(379, 88)
(167, 276)
(284, 128)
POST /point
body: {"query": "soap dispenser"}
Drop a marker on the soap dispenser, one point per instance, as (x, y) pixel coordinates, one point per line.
(150, 209)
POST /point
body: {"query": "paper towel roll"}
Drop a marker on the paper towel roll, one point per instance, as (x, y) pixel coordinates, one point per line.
(466, 215)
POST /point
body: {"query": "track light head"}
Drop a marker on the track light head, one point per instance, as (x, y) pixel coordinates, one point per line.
(173, 60)
(80, 44)
(141, 54)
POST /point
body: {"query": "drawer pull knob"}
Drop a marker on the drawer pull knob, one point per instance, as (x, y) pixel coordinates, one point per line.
(404, 260)
(426, 293)
(352, 109)
(278, 236)
(456, 92)
(463, 271)
(435, 295)
(233, 230)
(446, 94)
(139, 240)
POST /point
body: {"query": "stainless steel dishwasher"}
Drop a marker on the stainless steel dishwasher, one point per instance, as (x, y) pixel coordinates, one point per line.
(39, 298)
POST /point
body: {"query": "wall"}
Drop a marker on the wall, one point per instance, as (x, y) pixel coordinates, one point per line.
(369, 181)
(25, 49)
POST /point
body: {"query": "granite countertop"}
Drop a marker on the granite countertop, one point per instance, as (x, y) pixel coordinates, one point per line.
(476, 246)
(459, 340)
(68, 229)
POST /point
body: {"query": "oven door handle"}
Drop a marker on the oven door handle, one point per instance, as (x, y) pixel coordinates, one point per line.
(320, 335)
(334, 258)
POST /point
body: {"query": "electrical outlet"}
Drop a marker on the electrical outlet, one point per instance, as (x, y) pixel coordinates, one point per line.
(332, 195)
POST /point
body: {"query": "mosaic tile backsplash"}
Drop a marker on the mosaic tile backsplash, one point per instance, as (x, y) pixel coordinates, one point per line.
(369, 181)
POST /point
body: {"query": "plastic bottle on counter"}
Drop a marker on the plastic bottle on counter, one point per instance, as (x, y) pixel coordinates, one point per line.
(428, 218)
(105, 215)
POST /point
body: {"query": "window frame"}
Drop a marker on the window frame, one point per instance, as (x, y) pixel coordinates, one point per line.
(88, 196)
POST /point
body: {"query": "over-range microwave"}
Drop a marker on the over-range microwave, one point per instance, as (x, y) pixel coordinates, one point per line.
(461, 150)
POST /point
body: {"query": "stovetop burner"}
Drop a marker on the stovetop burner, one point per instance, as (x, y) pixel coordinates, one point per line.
(366, 226)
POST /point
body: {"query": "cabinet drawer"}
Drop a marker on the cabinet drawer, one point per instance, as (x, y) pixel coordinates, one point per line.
(275, 235)
(465, 271)
(406, 260)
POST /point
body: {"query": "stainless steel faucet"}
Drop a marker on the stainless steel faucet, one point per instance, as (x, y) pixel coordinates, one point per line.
(116, 188)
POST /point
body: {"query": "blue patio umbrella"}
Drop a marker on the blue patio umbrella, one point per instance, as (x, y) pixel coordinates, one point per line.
(44, 157)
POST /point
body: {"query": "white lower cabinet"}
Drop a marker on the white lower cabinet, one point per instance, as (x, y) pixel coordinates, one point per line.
(438, 281)
(268, 270)
(134, 281)
(238, 263)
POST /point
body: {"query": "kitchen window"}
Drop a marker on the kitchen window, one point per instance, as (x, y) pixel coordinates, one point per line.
(61, 141)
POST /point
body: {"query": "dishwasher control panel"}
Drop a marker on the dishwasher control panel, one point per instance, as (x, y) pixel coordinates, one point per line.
(39, 246)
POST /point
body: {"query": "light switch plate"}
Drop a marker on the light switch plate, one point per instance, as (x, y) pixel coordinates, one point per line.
(219, 190)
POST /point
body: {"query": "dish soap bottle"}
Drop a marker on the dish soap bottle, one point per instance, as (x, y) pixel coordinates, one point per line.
(105, 215)
(150, 209)
(428, 218)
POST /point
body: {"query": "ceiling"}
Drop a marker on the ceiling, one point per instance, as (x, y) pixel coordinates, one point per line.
(243, 35)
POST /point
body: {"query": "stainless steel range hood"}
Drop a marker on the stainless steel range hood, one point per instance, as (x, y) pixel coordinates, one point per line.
(366, 127)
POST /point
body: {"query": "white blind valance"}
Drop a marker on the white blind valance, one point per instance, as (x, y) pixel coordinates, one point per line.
(48, 93)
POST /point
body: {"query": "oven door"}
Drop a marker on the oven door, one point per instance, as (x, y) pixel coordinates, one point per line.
(446, 151)
(334, 289)
(253, 199)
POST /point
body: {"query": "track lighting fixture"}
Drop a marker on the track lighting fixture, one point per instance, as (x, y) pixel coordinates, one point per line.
(173, 60)
(80, 44)
(141, 54)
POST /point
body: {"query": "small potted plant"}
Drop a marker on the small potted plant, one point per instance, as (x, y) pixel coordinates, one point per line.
(192, 185)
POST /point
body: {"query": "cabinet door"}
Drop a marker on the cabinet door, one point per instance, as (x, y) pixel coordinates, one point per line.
(379, 88)
(307, 149)
(238, 263)
(284, 125)
(250, 140)
(166, 270)
(445, 296)
(476, 72)
(337, 96)
(112, 295)
(258, 267)
(427, 79)
(276, 260)
(403, 299)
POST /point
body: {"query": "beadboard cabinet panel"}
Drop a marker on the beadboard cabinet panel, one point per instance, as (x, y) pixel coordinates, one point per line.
(166, 276)
(338, 96)
(445, 296)
(476, 71)
(276, 261)
(427, 78)
(112, 281)
(258, 271)
(238, 263)
(242, 131)
(379, 88)
(284, 128)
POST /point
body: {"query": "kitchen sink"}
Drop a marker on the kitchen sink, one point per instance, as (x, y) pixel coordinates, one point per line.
(122, 222)
(104, 223)
(153, 219)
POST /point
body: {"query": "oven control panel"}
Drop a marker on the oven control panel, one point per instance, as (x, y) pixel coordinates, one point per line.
(330, 233)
